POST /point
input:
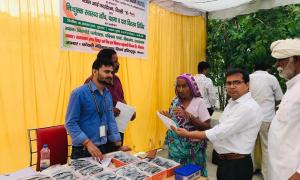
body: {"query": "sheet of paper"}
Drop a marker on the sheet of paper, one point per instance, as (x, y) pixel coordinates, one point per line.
(19, 174)
(124, 116)
(106, 161)
(167, 121)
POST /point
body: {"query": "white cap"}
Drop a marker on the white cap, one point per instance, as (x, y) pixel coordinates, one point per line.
(285, 48)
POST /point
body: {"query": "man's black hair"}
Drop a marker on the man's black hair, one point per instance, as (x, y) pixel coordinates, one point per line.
(259, 65)
(233, 71)
(262, 62)
(202, 66)
(106, 53)
(100, 61)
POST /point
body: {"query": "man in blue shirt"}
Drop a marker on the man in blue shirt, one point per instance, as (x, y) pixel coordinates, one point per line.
(90, 119)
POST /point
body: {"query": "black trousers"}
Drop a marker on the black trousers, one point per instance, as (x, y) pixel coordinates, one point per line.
(237, 169)
(111, 147)
(82, 152)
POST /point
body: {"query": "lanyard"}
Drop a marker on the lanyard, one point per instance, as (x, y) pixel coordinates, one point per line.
(100, 114)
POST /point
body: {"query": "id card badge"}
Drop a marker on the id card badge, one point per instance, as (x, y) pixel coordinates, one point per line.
(102, 131)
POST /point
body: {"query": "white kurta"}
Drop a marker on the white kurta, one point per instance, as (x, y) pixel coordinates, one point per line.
(284, 135)
(207, 90)
(265, 90)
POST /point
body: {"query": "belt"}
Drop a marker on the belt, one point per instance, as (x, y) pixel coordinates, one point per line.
(232, 156)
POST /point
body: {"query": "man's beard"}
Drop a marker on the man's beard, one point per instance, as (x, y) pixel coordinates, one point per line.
(288, 72)
(105, 81)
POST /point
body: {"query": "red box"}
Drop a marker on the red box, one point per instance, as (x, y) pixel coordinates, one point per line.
(170, 171)
(160, 175)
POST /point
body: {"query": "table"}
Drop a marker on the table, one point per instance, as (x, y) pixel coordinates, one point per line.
(173, 177)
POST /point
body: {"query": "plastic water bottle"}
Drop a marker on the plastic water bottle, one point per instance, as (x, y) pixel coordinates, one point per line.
(45, 157)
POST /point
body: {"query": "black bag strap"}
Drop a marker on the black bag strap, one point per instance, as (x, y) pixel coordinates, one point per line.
(100, 114)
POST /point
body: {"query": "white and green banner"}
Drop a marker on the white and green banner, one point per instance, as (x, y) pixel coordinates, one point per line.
(91, 25)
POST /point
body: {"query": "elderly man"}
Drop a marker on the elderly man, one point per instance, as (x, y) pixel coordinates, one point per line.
(234, 137)
(208, 93)
(284, 133)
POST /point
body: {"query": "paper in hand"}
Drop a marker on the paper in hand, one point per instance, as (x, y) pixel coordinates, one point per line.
(167, 121)
(126, 112)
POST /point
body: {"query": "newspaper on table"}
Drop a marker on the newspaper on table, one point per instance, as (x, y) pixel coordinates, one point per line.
(126, 112)
(83, 162)
(131, 172)
(167, 121)
(148, 168)
(37, 176)
(62, 172)
(123, 157)
(107, 175)
(21, 174)
(162, 162)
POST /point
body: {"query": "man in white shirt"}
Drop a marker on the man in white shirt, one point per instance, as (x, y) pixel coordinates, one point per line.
(284, 133)
(208, 94)
(206, 86)
(266, 91)
(234, 137)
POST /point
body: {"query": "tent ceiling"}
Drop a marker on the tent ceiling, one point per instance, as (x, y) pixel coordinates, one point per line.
(220, 9)
(212, 5)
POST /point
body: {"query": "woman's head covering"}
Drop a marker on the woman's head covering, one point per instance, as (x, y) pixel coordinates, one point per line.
(191, 83)
(285, 48)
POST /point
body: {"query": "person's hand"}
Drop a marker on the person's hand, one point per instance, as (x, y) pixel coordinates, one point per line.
(133, 116)
(180, 131)
(165, 113)
(93, 149)
(116, 112)
(151, 154)
(178, 111)
(124, 148)
(295, 176)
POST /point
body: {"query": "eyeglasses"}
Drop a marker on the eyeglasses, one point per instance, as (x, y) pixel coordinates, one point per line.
(233, 83)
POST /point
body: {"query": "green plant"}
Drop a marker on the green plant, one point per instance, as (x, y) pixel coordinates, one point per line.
(240, 41)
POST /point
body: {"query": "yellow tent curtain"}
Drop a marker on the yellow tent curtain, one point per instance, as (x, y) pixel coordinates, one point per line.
(37, 77)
